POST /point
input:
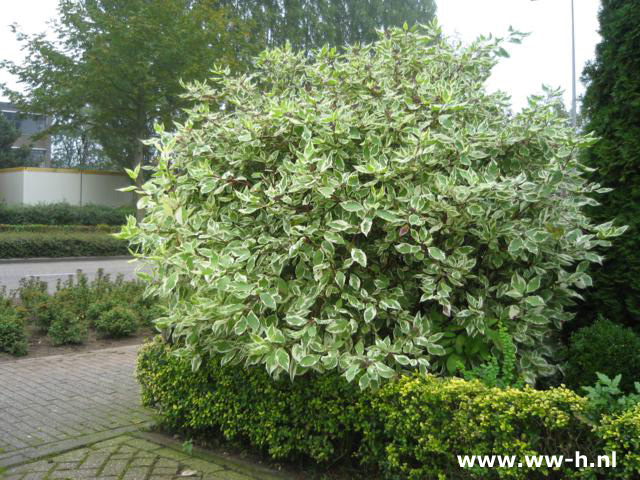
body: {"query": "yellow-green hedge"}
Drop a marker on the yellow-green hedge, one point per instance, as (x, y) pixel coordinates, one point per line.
(410, 429)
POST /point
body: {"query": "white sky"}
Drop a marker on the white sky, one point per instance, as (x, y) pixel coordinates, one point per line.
(543, 57)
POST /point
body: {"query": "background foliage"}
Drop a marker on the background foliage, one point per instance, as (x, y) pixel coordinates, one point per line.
(612, 107)
(11, 157)
(310, 24)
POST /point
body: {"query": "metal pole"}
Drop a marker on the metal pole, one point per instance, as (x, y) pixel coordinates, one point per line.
(573, 68)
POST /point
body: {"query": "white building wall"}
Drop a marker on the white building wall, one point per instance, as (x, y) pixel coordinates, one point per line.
(100, 188)
(51, 186)
(11, 186)
(30, 186)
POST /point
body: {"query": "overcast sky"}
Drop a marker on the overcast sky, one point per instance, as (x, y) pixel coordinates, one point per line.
(543, 57)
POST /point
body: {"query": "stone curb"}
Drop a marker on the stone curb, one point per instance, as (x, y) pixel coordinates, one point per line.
(66, 355)
(64, 259)
(211, 456)
(55, 448)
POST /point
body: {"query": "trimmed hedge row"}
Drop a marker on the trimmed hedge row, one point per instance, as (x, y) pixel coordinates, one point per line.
(64, 214)
(60, 244)
(60, 228)
(410, 429)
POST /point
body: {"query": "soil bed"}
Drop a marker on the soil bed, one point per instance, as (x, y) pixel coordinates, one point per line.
(39, 344)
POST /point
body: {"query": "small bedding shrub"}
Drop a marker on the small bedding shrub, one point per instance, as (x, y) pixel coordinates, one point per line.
(35, 302)
(114, 308)
(13, 339)
(116, 322)
(604, 347)
(412, 428)
(605, 397)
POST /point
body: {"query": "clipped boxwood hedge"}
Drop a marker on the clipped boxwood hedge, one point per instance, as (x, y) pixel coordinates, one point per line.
(60, 244)
(64, 214)
(413, 428)
(59, 228)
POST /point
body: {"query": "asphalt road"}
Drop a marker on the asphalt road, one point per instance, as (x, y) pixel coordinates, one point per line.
(52, 270)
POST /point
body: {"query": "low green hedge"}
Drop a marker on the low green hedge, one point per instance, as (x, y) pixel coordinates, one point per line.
(60, 244)
(64, 214)
(410, 429)
(60, 228)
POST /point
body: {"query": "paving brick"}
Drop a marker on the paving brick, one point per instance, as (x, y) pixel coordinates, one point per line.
(77, 412)
(51, 399)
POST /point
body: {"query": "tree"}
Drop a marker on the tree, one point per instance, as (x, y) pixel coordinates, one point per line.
(309, 24)
(115, 67)
(612, 108)
(78, 151)
(372, 212)
(9, 156)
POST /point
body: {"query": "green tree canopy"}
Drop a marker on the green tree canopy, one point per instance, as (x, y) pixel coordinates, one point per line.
(9, 156)
(612, 108)
(309, 24)
(115, 66)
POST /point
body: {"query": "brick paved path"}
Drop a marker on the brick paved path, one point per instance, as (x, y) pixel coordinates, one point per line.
(78, 416)
(50, 404)
(130, 458)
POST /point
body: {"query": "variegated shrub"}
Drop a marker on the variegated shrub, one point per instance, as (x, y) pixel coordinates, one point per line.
(375, 212)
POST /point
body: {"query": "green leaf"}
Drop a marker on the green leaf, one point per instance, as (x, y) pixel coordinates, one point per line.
(533, 285)
(351, 373)
(352, 206)
(333, 238)
(515, 246)
(282, 359)
(365, 226)
(454, 363)
(436, 254)
(339, 225)
(268, 300)
(253, 322)
(309, 361)
(326, 192)
(370, 313)
(296, 320)
(518, 283)
(387, 215)
(435, 349)
(384, 370)
(534, 301)
(171, 281)
(359, 256)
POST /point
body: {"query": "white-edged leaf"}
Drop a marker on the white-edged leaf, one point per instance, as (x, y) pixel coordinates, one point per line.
(370, 313)
(268, 300)
(359, 256)
(436, 254)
